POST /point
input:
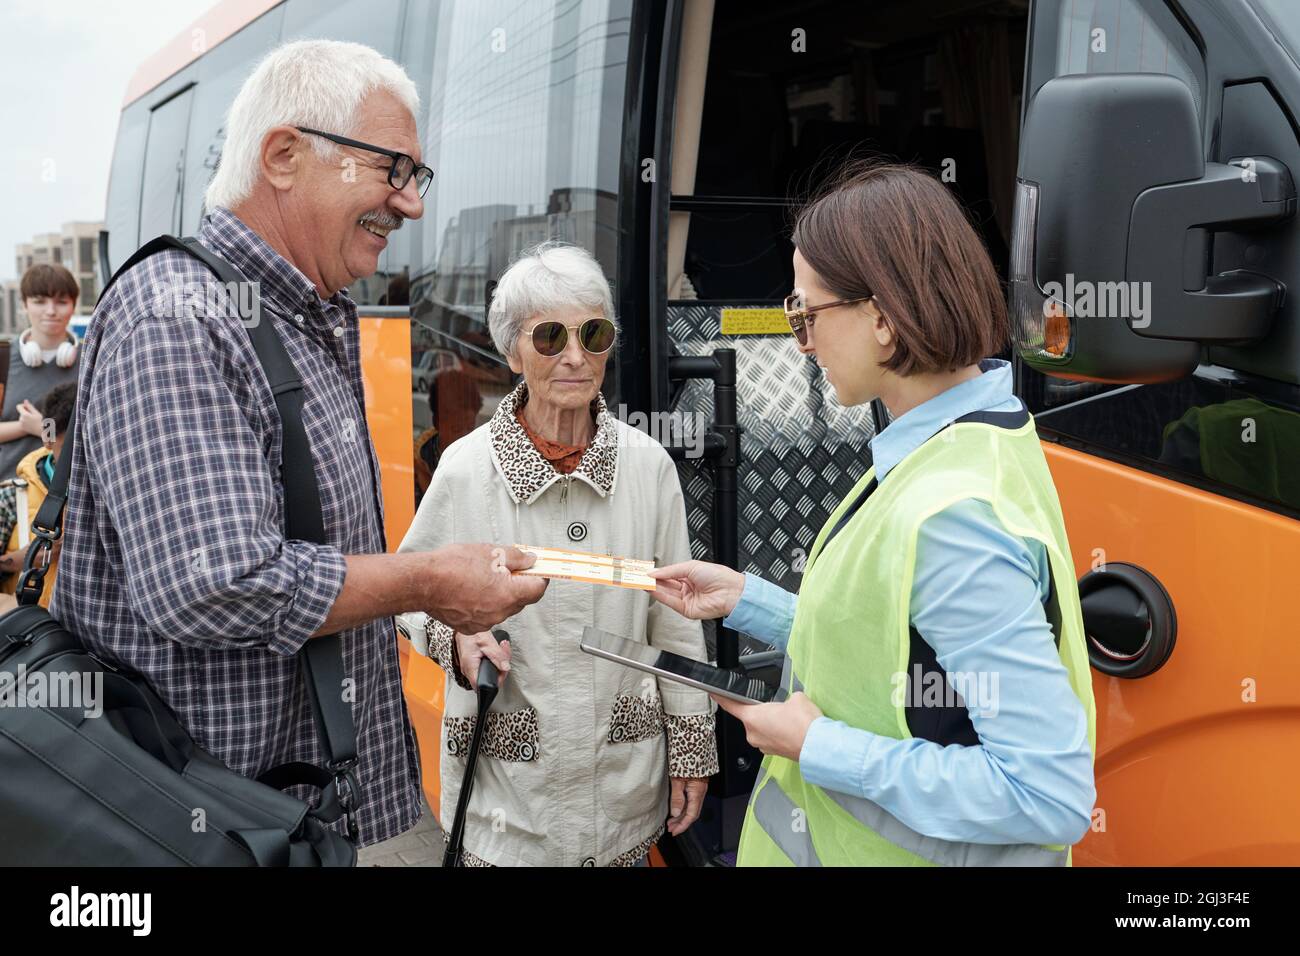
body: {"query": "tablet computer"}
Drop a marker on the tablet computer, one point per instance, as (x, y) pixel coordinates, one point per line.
(675, 667)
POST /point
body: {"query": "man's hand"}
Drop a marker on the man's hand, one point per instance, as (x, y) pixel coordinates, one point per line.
(474, 589)
(11, 562)
(685, 798)
(777, 729)
(468, 587)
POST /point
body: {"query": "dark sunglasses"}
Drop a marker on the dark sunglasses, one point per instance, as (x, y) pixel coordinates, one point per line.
(595, 335)
(801, 316)
(399, 173)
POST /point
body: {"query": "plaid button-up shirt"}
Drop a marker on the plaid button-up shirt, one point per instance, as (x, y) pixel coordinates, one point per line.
(174, 559)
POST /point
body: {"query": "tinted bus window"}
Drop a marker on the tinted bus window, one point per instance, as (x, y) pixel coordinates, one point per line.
(374, 23)
(221, 72)
(776, 120)
(1127, 36)
(160, 203)
(1284, 18)
(525, 109)
(122, 216)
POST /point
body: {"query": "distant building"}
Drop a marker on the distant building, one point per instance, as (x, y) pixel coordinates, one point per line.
(11, 308)
(76, 248)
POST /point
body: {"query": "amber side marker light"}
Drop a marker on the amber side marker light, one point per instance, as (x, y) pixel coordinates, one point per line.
(1056, 331)
(1041, 326)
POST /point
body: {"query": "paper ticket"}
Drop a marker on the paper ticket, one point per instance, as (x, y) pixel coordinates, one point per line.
(592, 568)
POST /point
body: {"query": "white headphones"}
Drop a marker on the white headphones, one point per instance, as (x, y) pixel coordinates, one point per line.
(65, 357)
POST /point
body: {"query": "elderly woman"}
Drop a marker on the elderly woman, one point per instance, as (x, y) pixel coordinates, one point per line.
(582, 759)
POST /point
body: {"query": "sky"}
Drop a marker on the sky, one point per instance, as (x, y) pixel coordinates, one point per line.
(63, 76)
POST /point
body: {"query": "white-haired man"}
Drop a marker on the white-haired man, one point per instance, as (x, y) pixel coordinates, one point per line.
(175, 561)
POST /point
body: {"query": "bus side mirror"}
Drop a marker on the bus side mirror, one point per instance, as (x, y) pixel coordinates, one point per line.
(1115, 214)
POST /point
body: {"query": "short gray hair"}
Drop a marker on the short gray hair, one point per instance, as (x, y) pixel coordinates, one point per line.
(316, 83)
(551, 275)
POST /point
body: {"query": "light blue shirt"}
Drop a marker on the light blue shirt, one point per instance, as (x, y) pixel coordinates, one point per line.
(978, 600)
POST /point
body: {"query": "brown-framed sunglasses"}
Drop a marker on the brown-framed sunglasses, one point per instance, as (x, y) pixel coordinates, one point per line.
(801, 316)
(596, 335)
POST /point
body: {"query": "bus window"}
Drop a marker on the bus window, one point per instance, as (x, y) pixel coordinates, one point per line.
(164, 164)
(1126, 36)
(1283, 18)
(374, 23)
(122, 214)
(221, 72)
(524, 107)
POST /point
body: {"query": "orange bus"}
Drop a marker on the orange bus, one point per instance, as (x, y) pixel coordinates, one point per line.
(1128, 165)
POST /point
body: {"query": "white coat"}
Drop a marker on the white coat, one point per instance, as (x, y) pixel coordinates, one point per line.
(577, 753)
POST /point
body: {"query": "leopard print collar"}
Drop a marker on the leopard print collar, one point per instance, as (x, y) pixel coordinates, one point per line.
(527, 474)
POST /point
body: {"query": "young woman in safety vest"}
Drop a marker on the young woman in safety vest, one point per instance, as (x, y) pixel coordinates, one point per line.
(940, 705)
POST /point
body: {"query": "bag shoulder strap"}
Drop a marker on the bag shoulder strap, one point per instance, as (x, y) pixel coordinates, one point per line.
(321, 657)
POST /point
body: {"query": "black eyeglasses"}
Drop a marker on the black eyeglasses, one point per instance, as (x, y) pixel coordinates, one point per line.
(399, 173)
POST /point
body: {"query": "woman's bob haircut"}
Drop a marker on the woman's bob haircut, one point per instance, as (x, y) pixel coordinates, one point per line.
(895, 231)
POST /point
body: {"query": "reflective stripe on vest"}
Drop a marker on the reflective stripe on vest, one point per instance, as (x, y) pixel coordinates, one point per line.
(775, 813)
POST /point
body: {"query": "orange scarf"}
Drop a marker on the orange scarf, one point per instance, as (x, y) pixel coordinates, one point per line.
(563, 458)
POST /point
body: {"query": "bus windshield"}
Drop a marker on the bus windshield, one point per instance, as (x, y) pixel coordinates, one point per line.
(1284, 17)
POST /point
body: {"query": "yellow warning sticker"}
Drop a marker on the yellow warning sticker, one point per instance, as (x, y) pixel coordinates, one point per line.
(754, 322)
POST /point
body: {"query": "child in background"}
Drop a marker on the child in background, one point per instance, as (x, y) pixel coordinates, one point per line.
(37, 469)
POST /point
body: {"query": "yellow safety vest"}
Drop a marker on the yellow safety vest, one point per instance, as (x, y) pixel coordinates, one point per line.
(851, 635)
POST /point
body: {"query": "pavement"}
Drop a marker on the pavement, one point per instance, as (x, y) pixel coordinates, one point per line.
(420, 846)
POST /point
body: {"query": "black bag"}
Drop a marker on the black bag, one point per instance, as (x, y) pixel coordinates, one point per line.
(129, 787)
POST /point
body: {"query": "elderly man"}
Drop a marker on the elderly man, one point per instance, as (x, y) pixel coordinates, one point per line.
(175, 561)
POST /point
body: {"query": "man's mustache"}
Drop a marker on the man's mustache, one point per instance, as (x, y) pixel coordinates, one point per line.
(383, 218)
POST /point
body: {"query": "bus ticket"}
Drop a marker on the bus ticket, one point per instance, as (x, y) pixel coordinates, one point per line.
(590, 568)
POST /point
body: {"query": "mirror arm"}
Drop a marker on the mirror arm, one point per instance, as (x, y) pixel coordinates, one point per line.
(1169, 244)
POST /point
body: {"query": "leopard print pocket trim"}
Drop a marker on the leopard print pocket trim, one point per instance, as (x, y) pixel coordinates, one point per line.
(633, 856)
(635, 718)
(628, 858)
(467, 859)
(508, 736)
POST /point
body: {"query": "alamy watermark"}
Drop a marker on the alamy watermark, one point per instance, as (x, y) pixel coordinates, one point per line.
(74, 690)
(209, 299)
(977, 690)
(1100, 300)
(672, 429)
(133, 911)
